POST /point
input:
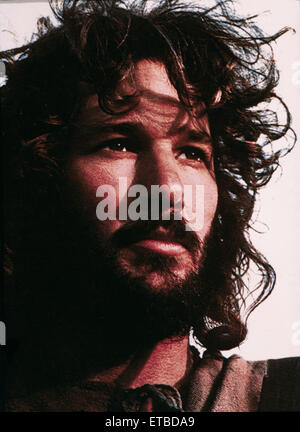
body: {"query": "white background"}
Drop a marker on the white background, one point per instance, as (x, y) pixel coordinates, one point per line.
(274, 328)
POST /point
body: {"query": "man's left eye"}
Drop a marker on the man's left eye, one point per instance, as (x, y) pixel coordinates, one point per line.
(192, 153)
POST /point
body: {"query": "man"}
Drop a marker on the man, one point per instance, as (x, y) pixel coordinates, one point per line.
(104, 282)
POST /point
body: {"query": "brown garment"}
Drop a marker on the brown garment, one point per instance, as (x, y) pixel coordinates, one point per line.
(231, 385)
(215, 384)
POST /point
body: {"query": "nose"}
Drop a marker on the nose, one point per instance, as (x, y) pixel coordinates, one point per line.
(159, 171)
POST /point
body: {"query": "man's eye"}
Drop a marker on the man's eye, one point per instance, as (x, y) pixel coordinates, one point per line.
(193, 153)
(120, 145)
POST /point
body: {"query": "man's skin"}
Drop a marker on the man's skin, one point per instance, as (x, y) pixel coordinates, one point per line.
(162, 154)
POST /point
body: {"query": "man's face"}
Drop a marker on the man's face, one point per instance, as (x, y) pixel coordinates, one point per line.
(155, 142)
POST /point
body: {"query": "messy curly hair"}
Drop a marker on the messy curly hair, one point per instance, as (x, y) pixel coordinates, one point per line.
(211, 57)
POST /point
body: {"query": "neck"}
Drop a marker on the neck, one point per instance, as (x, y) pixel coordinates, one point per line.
(165, 363)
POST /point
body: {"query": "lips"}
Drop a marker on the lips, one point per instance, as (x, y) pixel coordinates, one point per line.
(162, 247)
(160, 241)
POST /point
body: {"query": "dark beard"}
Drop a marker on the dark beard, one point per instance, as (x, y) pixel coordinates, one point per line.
(146, 317)
(130, 309)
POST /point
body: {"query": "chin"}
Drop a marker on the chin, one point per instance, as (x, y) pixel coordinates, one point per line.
(155, 272)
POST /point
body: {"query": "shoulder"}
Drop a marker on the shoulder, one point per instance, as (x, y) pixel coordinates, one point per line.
(234, 384)
(281, 385)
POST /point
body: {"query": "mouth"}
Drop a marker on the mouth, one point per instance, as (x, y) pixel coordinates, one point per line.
(161, 246)
(160, 241)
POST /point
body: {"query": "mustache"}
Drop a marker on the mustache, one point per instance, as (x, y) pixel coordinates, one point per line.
(174, 230)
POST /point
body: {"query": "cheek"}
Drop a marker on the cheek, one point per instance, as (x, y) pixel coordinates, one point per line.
(84, 177)
(210, 199)
(201, 205)
(83, 180)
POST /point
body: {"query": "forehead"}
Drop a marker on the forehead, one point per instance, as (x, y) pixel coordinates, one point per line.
(158, 106)
(147, 77)
(152, 76)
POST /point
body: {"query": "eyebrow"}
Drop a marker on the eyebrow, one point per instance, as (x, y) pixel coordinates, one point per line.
(94, 128)
(199, 135)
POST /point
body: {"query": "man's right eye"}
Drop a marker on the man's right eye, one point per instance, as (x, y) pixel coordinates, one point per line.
(117, 144)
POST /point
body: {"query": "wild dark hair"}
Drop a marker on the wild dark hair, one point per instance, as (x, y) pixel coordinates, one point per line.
(210, 56)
